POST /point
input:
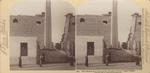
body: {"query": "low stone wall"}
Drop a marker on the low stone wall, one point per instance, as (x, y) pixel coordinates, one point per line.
(119, 55)
(54, 56)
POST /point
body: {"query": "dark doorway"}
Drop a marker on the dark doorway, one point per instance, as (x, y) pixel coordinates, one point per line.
(24, 49)
(90, 48)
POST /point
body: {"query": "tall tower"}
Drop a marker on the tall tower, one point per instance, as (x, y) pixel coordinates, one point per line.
(47, 32)
(115, 24)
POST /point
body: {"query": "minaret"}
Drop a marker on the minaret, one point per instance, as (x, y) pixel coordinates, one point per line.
(114, 25)
(47, 30)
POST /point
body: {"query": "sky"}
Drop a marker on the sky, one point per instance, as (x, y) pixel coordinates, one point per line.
(95, 7)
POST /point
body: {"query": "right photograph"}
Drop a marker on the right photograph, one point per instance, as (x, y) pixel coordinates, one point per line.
(108, 35)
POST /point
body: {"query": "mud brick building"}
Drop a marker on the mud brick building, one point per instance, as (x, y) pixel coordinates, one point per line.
(92, 31)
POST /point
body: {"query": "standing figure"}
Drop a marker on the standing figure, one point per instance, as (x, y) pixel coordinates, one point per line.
(107, 59)
(20, 62)
(42, 59)
(86, 61)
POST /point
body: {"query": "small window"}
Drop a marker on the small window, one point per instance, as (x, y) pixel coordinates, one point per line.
(38, 22)
(104, 21)
(82, 20)
(15, 20)
(139, 23)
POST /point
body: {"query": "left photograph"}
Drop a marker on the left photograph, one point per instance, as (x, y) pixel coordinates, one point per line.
(42, 35)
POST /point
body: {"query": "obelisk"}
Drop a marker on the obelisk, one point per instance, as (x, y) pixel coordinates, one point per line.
(47, 27)
(115, 24)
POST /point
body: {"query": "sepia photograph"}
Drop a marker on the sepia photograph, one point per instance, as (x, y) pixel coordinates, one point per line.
(42, 35)
(74, 36)
(55, 35)
(108, 35)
